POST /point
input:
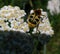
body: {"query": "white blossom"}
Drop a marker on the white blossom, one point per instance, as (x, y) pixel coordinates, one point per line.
(11, 12)
(45, 27)
(54, 6)
(34, 31)
(12, 15)
(32, 11)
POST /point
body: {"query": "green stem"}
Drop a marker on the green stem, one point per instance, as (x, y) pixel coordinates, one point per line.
(31, 3)
(44, 49)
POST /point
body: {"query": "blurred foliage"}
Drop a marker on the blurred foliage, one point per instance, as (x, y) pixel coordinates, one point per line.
(53, 46)
(1, 3)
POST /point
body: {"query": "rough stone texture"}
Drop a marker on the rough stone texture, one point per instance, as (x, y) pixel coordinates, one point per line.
(15, 43)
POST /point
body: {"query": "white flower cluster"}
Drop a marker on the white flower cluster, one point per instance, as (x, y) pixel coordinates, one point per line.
(11, 19)
(44, 26)
(54, 6)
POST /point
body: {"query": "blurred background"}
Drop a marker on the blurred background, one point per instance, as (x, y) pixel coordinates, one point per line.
(52, 7)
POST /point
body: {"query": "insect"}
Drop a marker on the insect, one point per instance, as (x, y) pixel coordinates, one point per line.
(34, 19)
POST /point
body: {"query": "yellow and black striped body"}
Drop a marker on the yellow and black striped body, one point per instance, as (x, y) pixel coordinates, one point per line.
(34, 19)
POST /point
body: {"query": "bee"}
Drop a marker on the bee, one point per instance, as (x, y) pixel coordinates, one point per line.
(34, 19)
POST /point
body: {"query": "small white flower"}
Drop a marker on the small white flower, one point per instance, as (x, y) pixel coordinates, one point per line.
(22, 31)
(41, 10)
(5, 7)
(7, 23)
(32, 11)
(16, 8)
(34, 31)
(2, 29)
(13, 29)
(12, 25)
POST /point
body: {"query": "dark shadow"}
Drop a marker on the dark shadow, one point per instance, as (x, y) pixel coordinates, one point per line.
(15, 42)
(12, 42)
